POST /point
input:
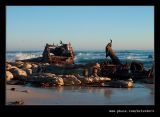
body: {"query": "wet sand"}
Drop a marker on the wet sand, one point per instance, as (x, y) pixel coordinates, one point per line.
(141, 94)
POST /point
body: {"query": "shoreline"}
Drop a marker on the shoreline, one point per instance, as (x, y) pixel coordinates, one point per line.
(142, 94)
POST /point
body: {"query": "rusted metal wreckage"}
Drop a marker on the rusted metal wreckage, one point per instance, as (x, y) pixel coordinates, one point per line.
(55, 54)
(58, 54)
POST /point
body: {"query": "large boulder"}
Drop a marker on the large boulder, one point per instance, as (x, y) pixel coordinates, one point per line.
(34, 70)
(92, 79)
(59, 81)
(136, 66)
(19, 64)
(77, 81)
(34, 65)
(100, 79)
(86, 80)
(9, 75)
(28, 71)
(8, 66)
(71, 80)
(68, 81)
(45, 64)
(39, 69)
(103, 79)
(19, 73)
(121, 83)
(27, 65)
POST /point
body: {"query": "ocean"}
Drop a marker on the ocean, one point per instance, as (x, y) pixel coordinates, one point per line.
(83, 57)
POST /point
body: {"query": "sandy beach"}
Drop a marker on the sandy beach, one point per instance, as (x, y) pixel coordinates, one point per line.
(141, 94)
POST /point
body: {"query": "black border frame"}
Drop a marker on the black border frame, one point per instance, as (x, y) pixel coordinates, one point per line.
(69, 108)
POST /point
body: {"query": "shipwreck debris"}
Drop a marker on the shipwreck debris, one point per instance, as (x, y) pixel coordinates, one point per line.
(58, 54)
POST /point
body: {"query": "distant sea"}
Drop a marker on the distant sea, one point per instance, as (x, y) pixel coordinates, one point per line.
(83, 57)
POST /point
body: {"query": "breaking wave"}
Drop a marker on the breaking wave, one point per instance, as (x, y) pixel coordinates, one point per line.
(83, 57)
(13, 56)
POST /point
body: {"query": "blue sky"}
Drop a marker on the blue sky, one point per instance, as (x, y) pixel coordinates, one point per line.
(86, 27)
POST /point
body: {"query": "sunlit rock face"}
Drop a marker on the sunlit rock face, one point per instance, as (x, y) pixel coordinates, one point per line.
(9, 75)
(19, 73)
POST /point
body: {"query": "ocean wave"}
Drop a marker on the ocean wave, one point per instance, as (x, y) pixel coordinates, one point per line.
(12, 57)
(89, 56)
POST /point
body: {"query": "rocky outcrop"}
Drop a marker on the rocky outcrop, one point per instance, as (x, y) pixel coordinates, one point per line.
(27, 66)
(92, 79)
(9, 75)
(34, 66)
(59, 81)
(18, 73)
(71, 80)
(19, 64)
(121, 83)
(8, 66)
(28, 71)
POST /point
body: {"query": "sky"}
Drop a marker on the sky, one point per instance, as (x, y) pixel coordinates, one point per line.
(85, 27)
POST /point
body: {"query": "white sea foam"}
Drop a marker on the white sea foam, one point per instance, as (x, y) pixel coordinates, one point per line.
(22, 56)
(12, 57)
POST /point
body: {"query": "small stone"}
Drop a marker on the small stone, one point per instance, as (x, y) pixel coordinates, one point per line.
(12, 89)
(19, 102)
(26, 91)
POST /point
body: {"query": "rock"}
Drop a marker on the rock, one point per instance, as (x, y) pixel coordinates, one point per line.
(103, 79)
(77, 82)
(60, 75)
(27, 65)
(71, 81)
(12, 89)
(40, 69)
(96, 79)
(8, 66)
(42, 78)
(92, 79)
(45, 64)
(86, 80)
(102, 84)
(19, 73)
(136, 66)
(121, 83)
(34, 66)
(28, 71)
(26, 91)
(19, 102)
(9, 75)
(59, 81)
(44, 85)
(68, 82)
(34, 70)
(13, 67)
(85, 72)
(19, 64)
